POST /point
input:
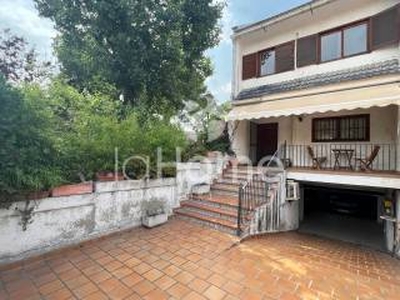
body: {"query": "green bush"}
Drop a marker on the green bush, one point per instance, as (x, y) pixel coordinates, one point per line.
(59, 135)
(28, 158)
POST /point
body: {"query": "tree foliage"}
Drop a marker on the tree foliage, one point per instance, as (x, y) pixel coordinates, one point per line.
(151, 50)
(18, 63)
(28, 159)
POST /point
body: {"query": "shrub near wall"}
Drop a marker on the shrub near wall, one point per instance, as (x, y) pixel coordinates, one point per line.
(28, 159)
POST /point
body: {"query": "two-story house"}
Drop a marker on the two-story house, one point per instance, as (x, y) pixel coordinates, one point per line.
(319, 87)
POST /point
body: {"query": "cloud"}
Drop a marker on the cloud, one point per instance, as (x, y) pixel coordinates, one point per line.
(226, 88)
(23, 19)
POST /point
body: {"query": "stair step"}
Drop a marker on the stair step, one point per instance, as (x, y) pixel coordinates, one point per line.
(231, 201)
(230, 181)
(225, 187)
(212, 220)
(216, 210)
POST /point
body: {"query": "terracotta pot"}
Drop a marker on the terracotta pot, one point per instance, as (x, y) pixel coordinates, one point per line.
(212, 154)
(234, 162)
(73, 189)
(109, 176)
(38, 195)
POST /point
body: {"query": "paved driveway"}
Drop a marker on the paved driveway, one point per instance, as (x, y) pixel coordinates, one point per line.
(184, 261)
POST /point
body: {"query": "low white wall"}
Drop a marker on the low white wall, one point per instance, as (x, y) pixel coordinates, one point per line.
(63, 221)
(196, 173)
(114, 206)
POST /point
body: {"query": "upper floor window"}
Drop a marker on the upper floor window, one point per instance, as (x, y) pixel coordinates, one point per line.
(344, 42)
(355, 40)
(378, 31)
(331, 46)
(267, 62)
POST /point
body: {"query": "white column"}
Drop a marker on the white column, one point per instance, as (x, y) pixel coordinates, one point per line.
(301, 204)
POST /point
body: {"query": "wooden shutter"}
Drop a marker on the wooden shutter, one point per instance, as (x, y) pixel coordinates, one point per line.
(307, 51)
(249, 67)
(285, 57)
(385, 28)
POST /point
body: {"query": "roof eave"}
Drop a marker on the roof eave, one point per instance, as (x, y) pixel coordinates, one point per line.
(240, 30)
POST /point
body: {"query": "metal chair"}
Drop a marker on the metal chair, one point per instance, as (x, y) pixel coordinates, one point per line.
(366, 164)
(316, 161)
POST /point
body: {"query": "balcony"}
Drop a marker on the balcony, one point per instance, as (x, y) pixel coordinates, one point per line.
(357, 158)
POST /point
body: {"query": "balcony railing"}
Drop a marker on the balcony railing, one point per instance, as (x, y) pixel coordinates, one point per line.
(333, 156)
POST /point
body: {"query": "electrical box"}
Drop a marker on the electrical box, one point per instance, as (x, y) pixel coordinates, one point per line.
(292, 190)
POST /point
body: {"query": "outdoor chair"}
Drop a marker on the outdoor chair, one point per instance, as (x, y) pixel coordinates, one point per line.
(316, 161)
(366, 163)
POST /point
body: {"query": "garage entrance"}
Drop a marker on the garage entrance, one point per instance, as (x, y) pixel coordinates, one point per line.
(343, 214)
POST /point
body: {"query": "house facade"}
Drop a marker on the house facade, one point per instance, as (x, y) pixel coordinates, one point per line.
(319, 87)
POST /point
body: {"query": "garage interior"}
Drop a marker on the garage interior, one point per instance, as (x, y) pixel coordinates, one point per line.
(343, 214)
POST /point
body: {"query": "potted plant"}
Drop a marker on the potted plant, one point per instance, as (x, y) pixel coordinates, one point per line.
(233, 161)
(105, 176)
(154, 213)
(73, 189)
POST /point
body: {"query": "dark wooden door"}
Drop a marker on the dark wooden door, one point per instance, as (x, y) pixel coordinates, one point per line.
(267, 140)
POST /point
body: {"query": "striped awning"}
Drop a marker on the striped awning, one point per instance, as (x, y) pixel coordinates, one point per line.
(331, 101)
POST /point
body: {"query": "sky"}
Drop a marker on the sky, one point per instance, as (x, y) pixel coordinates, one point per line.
(22, 18)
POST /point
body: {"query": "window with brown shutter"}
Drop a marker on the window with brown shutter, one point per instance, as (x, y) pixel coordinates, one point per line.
(307, 51)
(249, 68)
(285, 57)
(385, 28)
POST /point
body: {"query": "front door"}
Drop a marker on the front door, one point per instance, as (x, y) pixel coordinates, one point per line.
(267, 140)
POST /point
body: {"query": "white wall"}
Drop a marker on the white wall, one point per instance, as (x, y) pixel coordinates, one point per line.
(63, 221)
(383, 124)
(68, 220)
(191, 174)
(385, 129)
(335, 14)
(241, 139)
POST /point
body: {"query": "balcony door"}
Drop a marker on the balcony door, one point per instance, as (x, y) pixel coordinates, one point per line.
(267, 140)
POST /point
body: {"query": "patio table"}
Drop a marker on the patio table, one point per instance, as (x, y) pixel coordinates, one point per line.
(347, 154)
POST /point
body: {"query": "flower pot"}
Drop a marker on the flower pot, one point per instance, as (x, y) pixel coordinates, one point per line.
(153, 221)
(212, 154)
(38, 195)
(73, 189)
(234, 162)
(109, 176)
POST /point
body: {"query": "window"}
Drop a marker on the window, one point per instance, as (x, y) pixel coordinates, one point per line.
(345, 129)
(345, 42)
(355, 40)
(267, 62)
(331, 46)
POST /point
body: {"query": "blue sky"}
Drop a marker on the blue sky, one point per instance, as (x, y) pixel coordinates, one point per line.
(22, 17)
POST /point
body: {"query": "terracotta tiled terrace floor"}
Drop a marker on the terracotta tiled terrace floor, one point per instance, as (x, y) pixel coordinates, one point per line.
(184, 261)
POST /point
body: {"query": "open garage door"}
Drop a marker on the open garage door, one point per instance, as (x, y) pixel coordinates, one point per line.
(343, 214)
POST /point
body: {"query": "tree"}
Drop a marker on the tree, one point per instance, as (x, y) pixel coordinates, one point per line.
(151, 50)
(207, 119)
(18, 63)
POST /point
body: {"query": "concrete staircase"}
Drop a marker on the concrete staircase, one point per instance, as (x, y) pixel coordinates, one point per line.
(219, 208)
